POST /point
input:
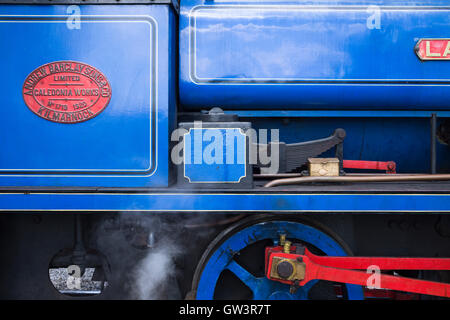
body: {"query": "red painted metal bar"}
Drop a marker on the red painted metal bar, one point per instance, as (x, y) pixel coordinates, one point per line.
(384, 263)
(389, 166)
(346, 270)
(388, 294)
(318, 272)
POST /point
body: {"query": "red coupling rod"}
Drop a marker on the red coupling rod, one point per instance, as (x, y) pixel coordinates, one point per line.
(347, 270)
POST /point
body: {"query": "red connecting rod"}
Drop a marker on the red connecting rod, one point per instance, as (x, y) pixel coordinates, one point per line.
(346, 270)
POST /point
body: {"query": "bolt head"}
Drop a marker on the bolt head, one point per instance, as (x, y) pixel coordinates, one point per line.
(285, 269)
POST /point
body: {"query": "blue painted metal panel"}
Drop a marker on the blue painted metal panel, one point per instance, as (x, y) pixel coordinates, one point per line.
(215, 155)
(313, 55)
(270, 202)
(126, 144)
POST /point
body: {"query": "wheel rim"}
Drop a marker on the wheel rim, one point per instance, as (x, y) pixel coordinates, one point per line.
(220, 256)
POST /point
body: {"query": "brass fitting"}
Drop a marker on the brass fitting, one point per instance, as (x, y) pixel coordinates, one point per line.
(282, 239)
(287, 247)
(287, 269)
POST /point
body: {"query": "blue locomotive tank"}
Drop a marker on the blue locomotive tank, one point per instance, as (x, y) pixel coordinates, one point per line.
(88, 95)
(344, 54)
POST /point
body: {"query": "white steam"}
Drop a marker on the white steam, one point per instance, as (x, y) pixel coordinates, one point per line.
(145, 250)
(155, 273)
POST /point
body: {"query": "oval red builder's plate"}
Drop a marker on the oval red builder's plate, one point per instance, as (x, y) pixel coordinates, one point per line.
(66, 91)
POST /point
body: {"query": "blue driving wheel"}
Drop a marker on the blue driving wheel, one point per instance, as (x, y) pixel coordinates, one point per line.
(232, 267)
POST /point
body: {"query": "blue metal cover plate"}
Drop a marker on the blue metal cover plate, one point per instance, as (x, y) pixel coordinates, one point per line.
(124, 145)
(343, 54)
(215, 155)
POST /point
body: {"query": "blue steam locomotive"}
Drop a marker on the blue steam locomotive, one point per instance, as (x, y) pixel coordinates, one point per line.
(225, 149)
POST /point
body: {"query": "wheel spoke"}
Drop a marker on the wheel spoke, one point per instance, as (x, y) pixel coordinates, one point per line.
(309, 285)
(246, 277)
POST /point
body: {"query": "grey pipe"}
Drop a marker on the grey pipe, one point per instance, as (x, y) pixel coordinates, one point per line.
(384, 178)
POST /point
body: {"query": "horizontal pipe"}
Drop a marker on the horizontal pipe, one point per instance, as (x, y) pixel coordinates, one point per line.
(262, 176)
(338, 113)
(383, 178)
(276, 175)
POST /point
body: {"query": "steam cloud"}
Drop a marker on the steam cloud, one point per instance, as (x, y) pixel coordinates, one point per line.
(155, 271)
(150, 272)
